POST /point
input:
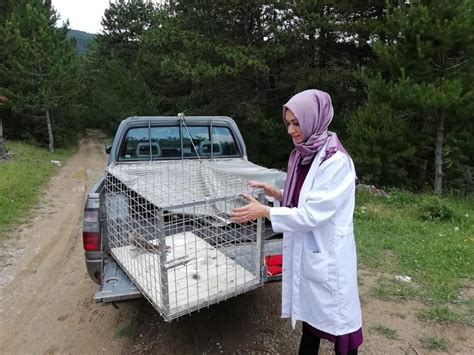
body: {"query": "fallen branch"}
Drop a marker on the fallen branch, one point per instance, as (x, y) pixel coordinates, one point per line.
(5, 156)
(414, 349)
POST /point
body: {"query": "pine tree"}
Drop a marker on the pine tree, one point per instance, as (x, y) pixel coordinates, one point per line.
(245, 58)
(39, 70)
(3, 149)
(6, 9)
(116, 87)
(425, 79)
(123, 24)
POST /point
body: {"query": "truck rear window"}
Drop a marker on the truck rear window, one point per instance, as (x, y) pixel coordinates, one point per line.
(169, 143)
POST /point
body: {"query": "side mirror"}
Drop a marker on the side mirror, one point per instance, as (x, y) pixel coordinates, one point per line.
(108, 148)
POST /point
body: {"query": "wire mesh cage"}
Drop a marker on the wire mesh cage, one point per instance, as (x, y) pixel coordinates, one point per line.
(168, 226)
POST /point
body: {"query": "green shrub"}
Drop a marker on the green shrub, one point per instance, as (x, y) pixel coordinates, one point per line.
(434, 209)
(435, 343)
(21, 179)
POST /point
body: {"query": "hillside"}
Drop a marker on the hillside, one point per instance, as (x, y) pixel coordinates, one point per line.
(83, 40)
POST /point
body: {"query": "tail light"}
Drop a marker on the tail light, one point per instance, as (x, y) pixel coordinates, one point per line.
(91, 231)
(91, 241)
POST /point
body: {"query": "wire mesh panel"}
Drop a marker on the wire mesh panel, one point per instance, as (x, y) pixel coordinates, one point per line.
(168, 226)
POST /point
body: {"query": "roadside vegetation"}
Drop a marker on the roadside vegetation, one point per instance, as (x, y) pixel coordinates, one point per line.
(125, 330)
(435, 343)
(423, 248)
(385, 331)
(22, 178)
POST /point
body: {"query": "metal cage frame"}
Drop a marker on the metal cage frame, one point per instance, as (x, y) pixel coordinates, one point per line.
(168, 227)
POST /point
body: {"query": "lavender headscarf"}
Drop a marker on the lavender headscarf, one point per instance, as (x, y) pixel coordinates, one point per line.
(314, 112)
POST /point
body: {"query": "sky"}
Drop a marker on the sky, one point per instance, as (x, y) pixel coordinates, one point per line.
(83, 15)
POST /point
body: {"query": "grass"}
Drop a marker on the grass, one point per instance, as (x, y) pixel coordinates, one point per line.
(124, 330)
(443, 314)
(435, 343)
(21, 180)
(390, 290)
(385, 331)
(419, 235)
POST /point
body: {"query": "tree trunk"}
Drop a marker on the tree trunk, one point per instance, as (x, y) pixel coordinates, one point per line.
(3, 151)
(50, 130)
(438, 184)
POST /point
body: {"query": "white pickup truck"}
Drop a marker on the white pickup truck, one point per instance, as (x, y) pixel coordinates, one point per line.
(140, 140)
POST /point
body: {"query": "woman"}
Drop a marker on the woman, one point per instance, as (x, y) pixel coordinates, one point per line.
(319, 254)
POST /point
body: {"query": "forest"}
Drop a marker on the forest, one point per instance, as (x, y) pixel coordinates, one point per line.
(400, 74)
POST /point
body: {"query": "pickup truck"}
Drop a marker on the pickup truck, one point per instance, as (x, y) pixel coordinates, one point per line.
(143, 139)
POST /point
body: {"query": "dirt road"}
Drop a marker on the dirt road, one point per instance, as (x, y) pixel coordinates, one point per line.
(46, 296)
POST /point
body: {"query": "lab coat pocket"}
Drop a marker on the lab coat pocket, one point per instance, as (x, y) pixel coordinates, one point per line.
(344, 231)
(315, 266)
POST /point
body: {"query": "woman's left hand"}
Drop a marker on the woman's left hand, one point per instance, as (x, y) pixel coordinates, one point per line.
(249, 212)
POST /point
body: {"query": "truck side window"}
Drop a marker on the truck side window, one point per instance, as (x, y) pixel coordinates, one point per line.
(223, 138)
(135, 144)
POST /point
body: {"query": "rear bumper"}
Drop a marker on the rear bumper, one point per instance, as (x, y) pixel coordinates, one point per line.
(273, 278)
(94, 265)
(116, 285)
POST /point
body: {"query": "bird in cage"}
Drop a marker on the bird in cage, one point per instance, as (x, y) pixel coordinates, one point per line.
(140, 244)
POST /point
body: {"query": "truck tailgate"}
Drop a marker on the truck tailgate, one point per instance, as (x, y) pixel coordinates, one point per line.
(116, 285)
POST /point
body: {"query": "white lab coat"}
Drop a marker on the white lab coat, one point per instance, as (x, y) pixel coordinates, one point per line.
(319, 253)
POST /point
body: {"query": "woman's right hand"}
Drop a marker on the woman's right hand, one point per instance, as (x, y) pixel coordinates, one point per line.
(268, 189)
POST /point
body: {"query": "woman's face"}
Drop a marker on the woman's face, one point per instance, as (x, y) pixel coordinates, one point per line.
(294, 129)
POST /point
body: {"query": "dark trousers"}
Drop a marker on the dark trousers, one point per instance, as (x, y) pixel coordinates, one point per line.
(309, 344)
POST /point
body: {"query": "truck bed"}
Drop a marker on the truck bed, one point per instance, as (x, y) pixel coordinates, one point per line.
(117, 285)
